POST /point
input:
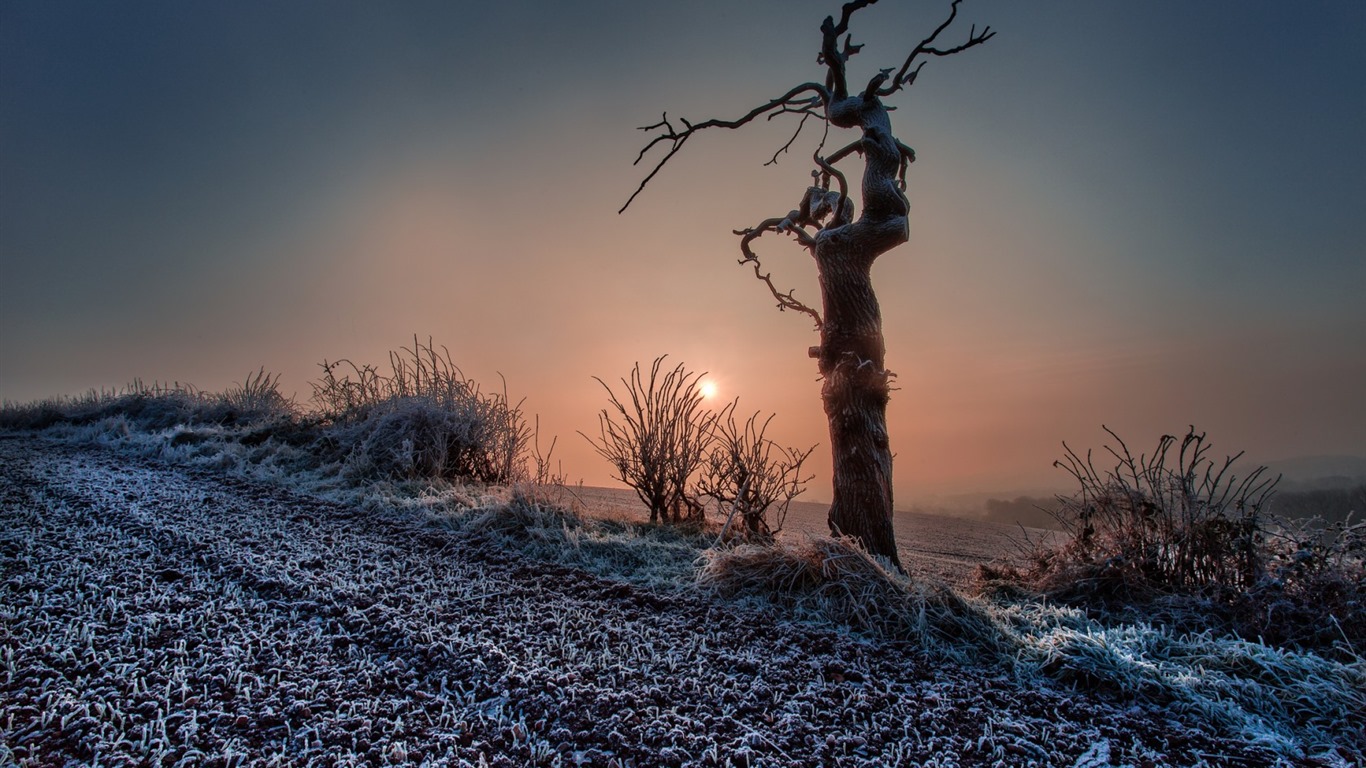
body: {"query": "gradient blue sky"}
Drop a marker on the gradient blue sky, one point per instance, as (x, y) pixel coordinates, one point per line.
(1145, 215)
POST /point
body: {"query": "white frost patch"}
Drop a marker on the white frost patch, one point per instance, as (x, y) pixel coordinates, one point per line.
(1098, 756)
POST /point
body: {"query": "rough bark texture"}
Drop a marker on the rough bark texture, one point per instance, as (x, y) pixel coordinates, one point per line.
(851, 352)
(855, 389)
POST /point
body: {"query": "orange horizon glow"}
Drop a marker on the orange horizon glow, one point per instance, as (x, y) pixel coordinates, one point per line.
(1088, 244)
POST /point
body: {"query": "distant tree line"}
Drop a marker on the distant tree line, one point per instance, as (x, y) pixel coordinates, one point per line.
(1331, 505)
(1029, 511)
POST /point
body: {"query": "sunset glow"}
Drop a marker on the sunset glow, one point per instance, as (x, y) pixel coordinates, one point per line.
(1121, 214)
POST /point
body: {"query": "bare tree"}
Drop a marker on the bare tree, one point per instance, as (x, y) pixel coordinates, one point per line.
(657, 439)
(850, 356)
(755, 476)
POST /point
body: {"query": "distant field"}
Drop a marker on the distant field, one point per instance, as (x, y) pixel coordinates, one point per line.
(947, 547)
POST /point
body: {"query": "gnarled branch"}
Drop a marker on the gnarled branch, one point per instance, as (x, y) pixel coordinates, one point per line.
(774, 160)
(787, 103)
(906, 76)
(787, 300)
(834, 59)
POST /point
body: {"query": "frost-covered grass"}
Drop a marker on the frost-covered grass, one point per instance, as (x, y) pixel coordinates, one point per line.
(1294, 704)
(422, 419)
(256, 400)
(834, 581)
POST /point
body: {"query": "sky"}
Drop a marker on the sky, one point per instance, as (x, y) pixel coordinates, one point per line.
(1141, 215)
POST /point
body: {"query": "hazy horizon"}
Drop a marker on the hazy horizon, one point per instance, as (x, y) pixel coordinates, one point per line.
(1144, 216)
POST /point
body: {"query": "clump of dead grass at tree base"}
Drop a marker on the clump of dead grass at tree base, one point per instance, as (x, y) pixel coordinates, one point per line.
(834, 580)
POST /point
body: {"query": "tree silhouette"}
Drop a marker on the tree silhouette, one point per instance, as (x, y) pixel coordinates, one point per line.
(855, 384)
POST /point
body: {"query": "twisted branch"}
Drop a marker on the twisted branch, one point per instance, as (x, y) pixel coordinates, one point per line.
(787, 300)
(774, 160)
(834, 59)
(906, 76)
(787, 103)
(832, 104)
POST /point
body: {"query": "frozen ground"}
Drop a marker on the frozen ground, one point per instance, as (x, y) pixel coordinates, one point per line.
(161, 615)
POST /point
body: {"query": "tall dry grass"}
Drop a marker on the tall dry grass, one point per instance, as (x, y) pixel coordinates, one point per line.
(424, 418)
(159, 405)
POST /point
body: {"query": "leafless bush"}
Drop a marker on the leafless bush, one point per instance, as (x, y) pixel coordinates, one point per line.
(751, 474)
(657, 439)
(1177, 538)
(1148, 526)
(424, 419)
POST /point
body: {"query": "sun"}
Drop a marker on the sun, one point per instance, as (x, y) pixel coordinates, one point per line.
(707, 389)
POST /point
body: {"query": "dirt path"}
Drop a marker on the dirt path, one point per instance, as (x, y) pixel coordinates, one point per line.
(153, 614)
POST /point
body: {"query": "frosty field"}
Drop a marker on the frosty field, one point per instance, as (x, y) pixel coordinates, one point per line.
(159, 614)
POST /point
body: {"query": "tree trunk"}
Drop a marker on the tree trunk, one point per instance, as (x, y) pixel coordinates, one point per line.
(855, 389)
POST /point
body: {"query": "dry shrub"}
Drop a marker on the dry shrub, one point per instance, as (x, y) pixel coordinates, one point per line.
(1176, 538)
(411, 438)
(754, 476)
(656, 436)
(425, 419)
(1313, 594)
(833, 579)
(1150, 526)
